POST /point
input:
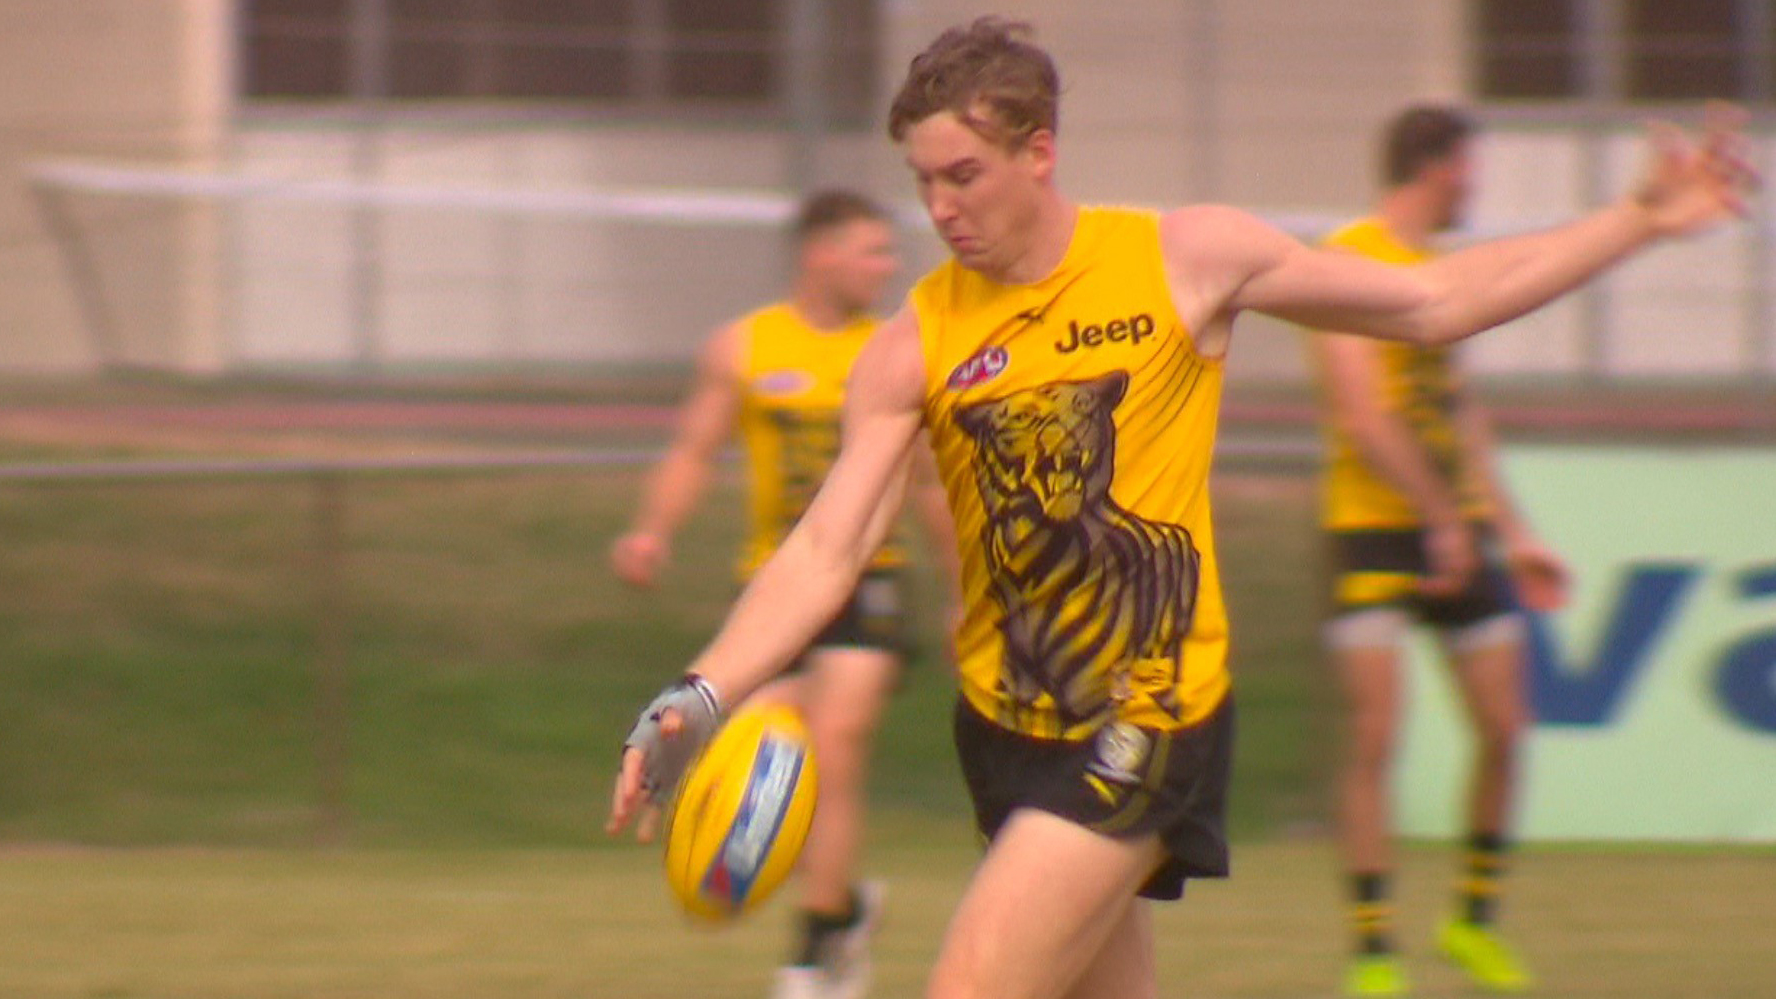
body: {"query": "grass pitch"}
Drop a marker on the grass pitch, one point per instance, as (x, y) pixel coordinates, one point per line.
(513, 924)
(158, 747)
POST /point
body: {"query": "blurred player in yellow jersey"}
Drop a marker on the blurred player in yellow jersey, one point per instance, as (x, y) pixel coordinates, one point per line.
(1423, 531)
(1067, 363)
(778, 376)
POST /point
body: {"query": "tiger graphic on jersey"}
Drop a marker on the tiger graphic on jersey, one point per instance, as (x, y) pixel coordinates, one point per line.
(1082, 582)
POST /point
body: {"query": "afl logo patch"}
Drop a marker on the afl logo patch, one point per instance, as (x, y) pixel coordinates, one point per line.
(982, 367)
(786, 382)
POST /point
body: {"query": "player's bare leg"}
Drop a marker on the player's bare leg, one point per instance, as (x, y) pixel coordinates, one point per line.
(1490, 668)
(1373, 691)
(1369, 671)
(843, 693)
(1494, 688)
(1124, 966)
(1040, 911)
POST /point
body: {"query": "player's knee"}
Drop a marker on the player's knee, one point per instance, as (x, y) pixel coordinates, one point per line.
(1499, 737)
(841, 726)
(843, 752)
(1501, 732)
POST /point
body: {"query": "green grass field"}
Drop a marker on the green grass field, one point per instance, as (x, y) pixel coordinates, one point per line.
(160, 786)
(160, 644)
(525, 924)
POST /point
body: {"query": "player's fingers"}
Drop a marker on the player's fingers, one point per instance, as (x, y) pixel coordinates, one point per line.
(1559, 583)
(1540, 591)
(648, 824)
(1722, 119)
(623, 560)
(1733, 174)
(1455, 571)
(627, 794)
(637, 560)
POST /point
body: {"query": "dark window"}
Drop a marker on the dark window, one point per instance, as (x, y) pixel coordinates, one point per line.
(654, 52)
(1681, 50)
(1528, 48)
(295, 48)
(1659, 50)
(852, 57)
(720, 50)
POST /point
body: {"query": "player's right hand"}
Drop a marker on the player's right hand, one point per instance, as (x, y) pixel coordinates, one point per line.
(1451, 558)
(637, 558)
(667, 736)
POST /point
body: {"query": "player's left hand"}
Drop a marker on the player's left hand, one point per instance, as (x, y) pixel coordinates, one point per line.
(1692, 185)
(1539, 573)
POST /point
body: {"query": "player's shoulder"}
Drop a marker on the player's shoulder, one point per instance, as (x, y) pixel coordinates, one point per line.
(1211, 238)
(899, 333)
(892, 365)
(725, 350)
(1207, 217)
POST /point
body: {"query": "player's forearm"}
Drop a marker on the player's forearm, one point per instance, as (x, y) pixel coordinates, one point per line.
(797, 592)
(1480, 449)
(794, 595)
(1499, 280)
(673, 490)
(1390, 450)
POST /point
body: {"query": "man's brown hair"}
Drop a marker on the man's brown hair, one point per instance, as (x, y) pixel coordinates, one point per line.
(990, 75)
(1421, 135)
(829, 209)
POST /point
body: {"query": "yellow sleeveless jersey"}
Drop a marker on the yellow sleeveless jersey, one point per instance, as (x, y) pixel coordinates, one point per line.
(792, 388)
(1418, 384)
(1074, 423)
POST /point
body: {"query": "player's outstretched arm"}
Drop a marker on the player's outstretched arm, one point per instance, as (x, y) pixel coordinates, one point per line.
(705, 423)
(803, 584)
(1223, 261)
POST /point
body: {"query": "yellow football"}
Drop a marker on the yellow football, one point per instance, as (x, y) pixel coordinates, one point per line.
(741, 814)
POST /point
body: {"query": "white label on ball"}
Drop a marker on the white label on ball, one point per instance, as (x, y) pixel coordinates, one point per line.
(761, 812)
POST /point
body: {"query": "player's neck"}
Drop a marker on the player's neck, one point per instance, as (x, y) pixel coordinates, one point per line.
(1045, 243)
(1413, 217)
(820, 308)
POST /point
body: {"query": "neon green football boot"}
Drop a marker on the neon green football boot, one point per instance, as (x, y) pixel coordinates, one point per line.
(1375, 975)
(1488, 960)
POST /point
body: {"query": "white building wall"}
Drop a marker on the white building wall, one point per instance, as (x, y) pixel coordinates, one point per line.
(1269, 104)
(110, 79)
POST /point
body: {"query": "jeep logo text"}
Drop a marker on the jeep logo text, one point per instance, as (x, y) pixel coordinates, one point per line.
(1134, 329)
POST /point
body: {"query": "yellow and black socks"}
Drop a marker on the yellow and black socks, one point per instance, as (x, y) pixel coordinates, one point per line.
(1372, 913)
(1484, 867)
